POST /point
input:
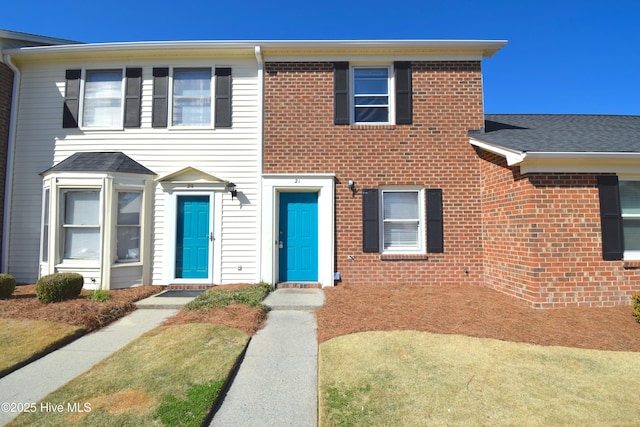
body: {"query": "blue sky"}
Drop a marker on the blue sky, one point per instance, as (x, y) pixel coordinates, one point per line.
(563, 56)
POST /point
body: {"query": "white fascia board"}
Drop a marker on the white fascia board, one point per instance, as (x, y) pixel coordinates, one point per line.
(513, 157)
(482, 48)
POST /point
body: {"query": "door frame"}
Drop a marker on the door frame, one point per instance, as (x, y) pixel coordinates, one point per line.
(171, 240)
(272, 186)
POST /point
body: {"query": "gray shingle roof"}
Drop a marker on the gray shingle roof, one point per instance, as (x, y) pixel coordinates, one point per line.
(562, 133)
(100, 162)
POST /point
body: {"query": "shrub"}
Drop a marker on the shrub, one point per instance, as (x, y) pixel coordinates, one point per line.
(7, 285)
(59, 286)
(99, 295)
(636, 306)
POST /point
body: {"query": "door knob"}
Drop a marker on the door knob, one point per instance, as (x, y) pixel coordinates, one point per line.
(280, 244)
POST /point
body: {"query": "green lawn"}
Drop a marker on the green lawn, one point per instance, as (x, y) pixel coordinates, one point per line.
(24, 340)
(421, 379)
(169, 376)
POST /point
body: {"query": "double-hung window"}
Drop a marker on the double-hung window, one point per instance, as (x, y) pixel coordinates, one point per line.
(191, 105)
(630, 210)
(128, 226)
(102, 100)
(81, 224)
(402, 221)
(371, 94)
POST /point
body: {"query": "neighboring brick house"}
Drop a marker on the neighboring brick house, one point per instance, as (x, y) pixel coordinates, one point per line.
(561, 207)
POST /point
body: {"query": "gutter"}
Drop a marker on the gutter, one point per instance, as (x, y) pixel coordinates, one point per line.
(8, 192)
(260, 132)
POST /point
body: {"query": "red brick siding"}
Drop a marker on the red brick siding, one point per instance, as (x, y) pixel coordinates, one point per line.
(542, 239)
(433, 152)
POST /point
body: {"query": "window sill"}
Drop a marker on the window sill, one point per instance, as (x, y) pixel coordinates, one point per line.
(631, 264)
(123, 264)
(404, 257)
(372, 126)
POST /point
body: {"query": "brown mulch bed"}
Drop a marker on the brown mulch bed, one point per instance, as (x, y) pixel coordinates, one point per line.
(473, 311)
(91, 315)
(238, 316)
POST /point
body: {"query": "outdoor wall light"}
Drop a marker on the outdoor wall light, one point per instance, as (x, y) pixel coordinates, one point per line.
(352, 186)
(231, 188)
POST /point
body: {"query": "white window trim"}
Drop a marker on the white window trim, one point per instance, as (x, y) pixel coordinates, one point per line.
(211, 125)
(81, 120)
(629, 255)
(421, 249)
(66, 262)
(391, 88)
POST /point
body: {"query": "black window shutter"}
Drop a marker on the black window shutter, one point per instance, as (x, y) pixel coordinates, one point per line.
(341, 93)
(71, 99)
(435, 229)
(133, 93)
(610, 217)
(223, 98)
(160, 97)
(370, 221)
(404, 110)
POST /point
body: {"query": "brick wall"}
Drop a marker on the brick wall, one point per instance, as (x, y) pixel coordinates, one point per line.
(433, 152)
(6, 88)
(542, 239)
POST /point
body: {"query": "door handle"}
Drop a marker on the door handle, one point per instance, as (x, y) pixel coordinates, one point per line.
(280, 244)
(211, 236)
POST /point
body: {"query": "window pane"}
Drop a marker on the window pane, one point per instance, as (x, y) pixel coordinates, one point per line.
(192, 97)
(372, 115)
(45, 228)
(401, 235)
(82, 208)
(630, 197)
(103, 99)
(401, 205)
(82, 243)
(631, 231)
(371, 80)
(128, 244)
(129, 208)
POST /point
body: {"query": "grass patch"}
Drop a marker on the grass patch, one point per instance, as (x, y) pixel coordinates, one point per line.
(416, 378)
(251, 296)
(22, 341)
(167, 370)
(99, 295)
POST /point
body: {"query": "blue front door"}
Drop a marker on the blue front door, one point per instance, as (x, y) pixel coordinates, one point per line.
(192, 252)
(298, 237)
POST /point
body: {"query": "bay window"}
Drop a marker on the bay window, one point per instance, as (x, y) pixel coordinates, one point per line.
(128, 226)
(81, 224)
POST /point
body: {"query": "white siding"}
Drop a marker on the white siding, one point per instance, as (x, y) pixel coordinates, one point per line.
(228, 153)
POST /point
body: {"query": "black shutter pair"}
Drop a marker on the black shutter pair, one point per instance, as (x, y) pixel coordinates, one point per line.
(222, 107)
(403, 92)
(610, 218)
(133, 94)
(371, 220)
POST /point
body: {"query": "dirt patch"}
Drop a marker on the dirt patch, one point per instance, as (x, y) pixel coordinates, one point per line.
(473, 311)
(80, 311)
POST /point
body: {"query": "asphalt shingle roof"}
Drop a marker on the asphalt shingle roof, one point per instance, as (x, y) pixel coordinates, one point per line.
(100, 162)
(562, 132)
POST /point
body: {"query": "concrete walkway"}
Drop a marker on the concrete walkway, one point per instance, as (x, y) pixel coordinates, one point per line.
(277, 382)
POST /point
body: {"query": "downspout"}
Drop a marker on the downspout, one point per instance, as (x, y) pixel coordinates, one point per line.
(8, 189)
(260, 125)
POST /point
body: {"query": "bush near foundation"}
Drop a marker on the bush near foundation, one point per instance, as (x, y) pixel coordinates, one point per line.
(57, 287)
(636, 306)
(7, 285)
